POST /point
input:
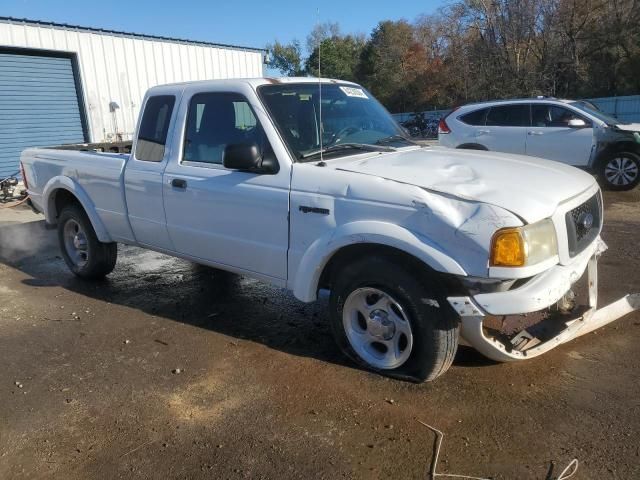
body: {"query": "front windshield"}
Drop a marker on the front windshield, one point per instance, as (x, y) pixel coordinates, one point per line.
(608, 119)
(351, 117)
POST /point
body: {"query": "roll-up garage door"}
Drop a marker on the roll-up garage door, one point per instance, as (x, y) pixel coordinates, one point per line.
(38, 106)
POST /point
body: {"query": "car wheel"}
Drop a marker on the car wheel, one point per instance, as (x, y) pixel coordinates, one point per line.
(393, 320)
(84, 254)
(621, 171)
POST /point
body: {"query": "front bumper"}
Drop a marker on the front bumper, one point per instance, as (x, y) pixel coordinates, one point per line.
(541, 292)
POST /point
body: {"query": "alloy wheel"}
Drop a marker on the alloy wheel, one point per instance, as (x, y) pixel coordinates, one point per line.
(377, 328)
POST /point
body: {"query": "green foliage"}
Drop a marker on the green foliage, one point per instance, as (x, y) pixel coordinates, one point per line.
(286, 58)
(321, 32)
(383, 67)
(339, 57)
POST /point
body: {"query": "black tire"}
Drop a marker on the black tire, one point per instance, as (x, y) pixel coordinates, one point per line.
(434, 324)
(609, 169)
(100, 258)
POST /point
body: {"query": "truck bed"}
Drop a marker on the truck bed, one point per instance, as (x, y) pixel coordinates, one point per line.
(98, 175)
(111, 147)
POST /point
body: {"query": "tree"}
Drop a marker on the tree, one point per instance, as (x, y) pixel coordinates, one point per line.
(474, 50)
(607, 46)
(321, 32)
(286, 58)
(339, 57)
(384, 67)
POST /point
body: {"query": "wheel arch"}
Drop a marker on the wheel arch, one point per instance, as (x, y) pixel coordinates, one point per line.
(472, 146)
(352, 241)
(62, 191)
(613, 148)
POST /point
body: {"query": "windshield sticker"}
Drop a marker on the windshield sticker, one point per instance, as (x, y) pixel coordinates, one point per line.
(354, 92)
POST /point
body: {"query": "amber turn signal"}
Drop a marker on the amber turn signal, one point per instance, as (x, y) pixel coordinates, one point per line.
(508, 248)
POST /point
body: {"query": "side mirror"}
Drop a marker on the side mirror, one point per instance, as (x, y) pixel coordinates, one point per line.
(242, 156)
(577, 123)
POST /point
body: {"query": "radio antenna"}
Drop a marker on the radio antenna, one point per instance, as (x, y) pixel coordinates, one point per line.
(319, 86)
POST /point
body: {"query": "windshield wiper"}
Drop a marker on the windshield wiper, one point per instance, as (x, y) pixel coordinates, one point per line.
(395, 138)
(346, 146)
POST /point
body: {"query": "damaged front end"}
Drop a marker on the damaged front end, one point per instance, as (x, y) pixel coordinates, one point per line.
(525, 332)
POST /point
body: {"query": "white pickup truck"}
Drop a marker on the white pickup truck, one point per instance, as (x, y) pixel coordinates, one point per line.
(311, 185)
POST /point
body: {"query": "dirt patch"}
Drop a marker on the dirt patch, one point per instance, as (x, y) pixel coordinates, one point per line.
(263, 392)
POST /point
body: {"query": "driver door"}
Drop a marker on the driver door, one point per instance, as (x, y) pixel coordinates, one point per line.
(226, 217)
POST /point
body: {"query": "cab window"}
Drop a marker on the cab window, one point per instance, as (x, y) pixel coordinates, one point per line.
(216, 120)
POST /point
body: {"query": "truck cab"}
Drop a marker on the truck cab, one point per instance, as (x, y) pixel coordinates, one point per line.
(210, 211)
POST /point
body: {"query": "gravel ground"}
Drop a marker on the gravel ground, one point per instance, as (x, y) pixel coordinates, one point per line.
(170, 370)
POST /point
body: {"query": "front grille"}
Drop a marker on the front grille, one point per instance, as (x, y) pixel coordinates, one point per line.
(583, 224)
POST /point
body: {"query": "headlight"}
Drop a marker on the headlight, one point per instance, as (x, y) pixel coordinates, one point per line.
(524, 246)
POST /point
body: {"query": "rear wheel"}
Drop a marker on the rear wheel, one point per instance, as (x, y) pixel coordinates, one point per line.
(84, 254)
(621, 171)
(393, 320)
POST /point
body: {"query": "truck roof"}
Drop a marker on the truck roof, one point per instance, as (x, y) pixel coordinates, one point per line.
(256, 82)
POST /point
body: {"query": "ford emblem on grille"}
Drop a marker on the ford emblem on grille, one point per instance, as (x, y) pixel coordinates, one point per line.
(586, 220)
(583, 224)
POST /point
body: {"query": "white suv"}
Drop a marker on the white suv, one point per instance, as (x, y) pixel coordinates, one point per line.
(568, 131)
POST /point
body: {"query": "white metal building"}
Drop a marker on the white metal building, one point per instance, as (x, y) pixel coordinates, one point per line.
(70, 84)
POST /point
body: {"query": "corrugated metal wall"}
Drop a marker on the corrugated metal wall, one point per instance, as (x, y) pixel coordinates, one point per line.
(121, 67)
(38, 106)
(626, 108)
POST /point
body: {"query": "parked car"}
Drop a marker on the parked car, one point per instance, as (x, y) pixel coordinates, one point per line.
(414, 244)
(567, 131)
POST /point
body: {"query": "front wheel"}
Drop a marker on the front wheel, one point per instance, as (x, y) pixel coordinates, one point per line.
(393, 320)
(84, 254)
(621, 171)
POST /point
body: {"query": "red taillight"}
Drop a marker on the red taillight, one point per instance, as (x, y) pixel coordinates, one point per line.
(443, 127)
(24, 177)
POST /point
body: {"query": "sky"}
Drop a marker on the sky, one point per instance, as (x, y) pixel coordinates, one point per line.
(252, 23)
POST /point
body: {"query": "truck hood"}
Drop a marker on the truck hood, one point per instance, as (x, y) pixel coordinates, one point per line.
(529, 187)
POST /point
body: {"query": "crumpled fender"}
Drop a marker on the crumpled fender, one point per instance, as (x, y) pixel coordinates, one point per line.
(67, 183)
(320, 252)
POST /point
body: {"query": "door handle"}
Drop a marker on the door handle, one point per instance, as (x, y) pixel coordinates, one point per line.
(534, 133)
(179, 183)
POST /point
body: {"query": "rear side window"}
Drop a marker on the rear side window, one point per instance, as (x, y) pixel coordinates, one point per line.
(475, 118)
(509, 116)
(154, 126)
